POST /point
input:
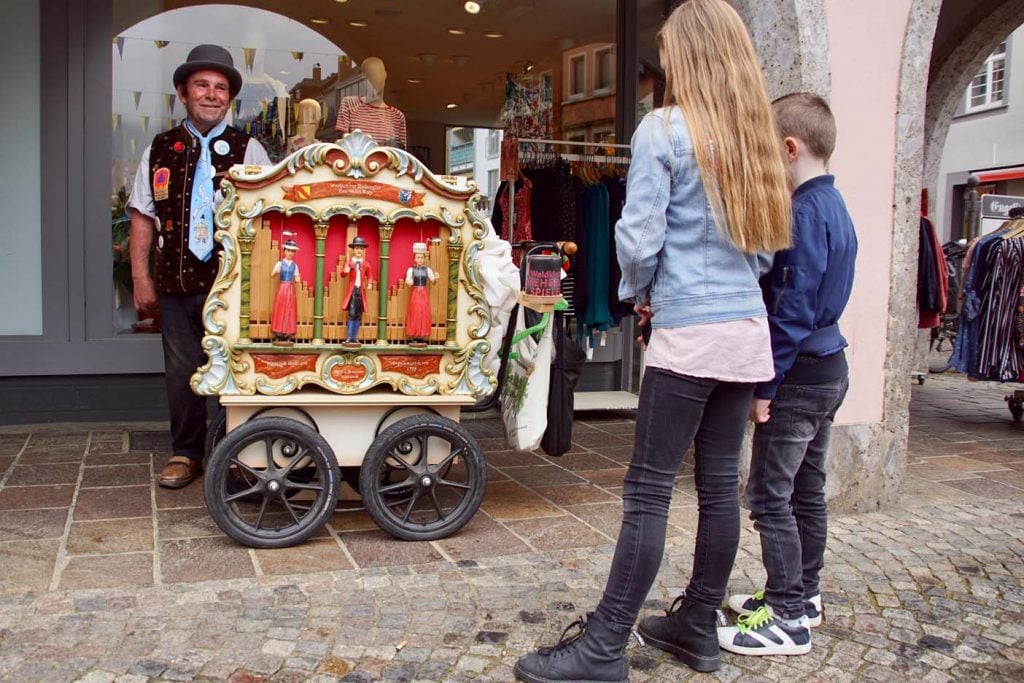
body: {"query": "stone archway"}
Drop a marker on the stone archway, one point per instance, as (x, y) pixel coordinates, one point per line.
(790, 41)
(954, 63)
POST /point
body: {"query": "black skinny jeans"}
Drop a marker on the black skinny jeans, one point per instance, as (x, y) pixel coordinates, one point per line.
(674, 411)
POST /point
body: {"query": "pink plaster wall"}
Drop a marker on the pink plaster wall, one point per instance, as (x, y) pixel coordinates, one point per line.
(866, 41)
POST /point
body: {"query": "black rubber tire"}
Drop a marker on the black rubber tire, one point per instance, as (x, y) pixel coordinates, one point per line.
(318, 473)
(216, 430)
(407, 508)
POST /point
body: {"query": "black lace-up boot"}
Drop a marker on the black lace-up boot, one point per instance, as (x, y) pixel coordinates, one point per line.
(689, 631)
(587, 652)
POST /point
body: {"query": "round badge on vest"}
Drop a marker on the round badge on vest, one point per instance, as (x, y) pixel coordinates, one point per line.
(221, 147)
(160, 242)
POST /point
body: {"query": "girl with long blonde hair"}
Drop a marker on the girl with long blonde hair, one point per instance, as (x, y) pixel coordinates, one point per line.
(707, 194)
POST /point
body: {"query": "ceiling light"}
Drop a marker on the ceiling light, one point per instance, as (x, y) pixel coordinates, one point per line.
(340, 1)
(414, 81)
(358, 23)
(472, 7)
(494, 34)
(319, 20)
(450, 105)
(528, 67)
(457, 31)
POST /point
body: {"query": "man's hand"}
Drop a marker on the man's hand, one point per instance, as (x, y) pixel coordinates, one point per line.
(139, 244)
(144, 294)
(759, 410)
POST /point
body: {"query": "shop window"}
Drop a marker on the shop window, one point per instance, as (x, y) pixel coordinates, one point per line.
(577, 77)
(604, 77)
(281, 62)
(493, 143)
(21, 278)
(987, 89)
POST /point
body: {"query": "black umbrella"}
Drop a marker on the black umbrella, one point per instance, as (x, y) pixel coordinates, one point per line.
(565, 373)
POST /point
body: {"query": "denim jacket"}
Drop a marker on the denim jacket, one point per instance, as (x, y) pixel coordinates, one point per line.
(670, 248)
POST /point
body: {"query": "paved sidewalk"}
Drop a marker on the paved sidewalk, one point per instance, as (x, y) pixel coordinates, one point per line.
(105, 577)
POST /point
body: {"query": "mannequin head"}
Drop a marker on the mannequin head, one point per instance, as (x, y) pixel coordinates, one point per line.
(308, 119)
(375, 73)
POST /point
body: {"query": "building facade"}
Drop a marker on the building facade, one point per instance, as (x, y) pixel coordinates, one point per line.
(62, 358)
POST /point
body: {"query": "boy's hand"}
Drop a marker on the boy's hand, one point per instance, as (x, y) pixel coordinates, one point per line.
(759, 410)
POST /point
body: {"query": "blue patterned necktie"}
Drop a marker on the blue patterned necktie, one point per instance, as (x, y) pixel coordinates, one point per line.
(200, 229)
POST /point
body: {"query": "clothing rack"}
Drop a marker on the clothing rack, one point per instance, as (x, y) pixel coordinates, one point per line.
(597, 158)
(585, 400)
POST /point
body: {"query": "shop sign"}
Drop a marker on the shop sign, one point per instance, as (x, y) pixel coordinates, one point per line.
(999, 205)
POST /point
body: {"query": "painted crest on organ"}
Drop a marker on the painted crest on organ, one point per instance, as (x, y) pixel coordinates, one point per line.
(353, 188)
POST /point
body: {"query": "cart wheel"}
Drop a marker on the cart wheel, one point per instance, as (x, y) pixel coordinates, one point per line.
(423, 478)
(216, 430)
(271, 483)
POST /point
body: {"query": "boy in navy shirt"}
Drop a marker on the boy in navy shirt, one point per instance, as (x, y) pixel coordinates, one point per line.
(805, 293)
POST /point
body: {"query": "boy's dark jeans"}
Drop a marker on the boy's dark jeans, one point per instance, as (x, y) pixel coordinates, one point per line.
(674, 411)
(786, 490)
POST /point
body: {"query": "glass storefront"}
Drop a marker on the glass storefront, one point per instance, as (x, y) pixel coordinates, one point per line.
(21, 279)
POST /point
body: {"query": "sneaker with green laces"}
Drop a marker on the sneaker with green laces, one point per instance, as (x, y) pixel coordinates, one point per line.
(761, 633)
(747, 604)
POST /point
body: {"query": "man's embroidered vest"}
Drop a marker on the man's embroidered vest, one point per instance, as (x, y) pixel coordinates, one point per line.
(172, 166)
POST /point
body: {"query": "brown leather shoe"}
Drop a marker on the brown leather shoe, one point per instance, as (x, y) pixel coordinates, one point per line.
(179, 472)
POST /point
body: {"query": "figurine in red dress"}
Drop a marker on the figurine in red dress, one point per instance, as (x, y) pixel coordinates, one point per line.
(283, 320)
(417, 323)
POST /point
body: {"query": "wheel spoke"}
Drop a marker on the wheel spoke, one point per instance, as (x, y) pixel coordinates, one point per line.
(422, 438)
(303, 487)
(401, 461)
(268, 444)
(412, 503)
(291, 511)
(394, 487)
(236, 461)
(451, 456)
(243, 494)
(437, 506)
(453, 484)
(263, 511)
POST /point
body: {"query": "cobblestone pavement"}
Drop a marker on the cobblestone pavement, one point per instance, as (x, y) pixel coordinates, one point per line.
(104, 577)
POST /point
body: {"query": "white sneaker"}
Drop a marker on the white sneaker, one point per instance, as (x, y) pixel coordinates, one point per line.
(748, 604)
(761, 633)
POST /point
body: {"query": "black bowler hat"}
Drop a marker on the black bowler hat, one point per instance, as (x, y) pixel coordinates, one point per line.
(212, 57)
(358, 241)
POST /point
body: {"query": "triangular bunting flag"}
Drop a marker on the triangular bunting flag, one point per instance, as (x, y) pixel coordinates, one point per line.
(117, 122)
(264, 104)
(161, 44)
(120, 46)
(169, 124)
(136, 95)
(131, 144)
(249, 54)
(238, 107)
(296, 55)
(169, 101)
(248, 128)
(145, 123)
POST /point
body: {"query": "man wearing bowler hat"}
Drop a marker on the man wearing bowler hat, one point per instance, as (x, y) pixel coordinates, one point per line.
(354, 304)
(172, 208)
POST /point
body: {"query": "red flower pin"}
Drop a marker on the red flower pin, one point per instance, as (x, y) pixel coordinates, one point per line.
(179, 146)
